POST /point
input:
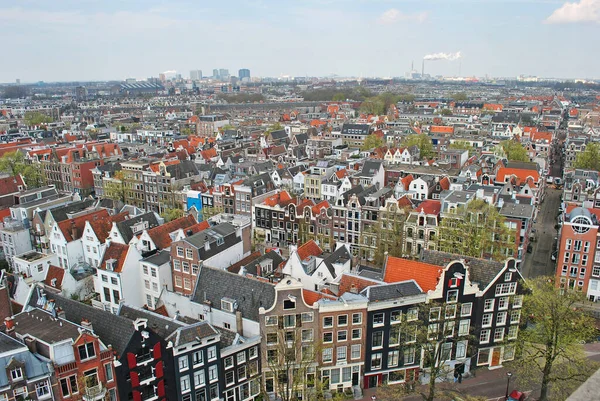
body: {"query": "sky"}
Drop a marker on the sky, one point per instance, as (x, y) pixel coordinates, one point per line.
(70, 40)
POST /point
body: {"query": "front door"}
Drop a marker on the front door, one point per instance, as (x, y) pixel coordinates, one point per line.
(496, 357)
(373, 381)
(355, 379)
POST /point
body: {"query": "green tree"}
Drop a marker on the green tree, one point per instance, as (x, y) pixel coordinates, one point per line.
(372, 106)
(446, 112)
(372, 141)
(459, 97)
(477, 230)
(171, 214)
(462, 145)
(338, 97)
(423, 142)
(273, 127)
(550, 347)
(36, 118)
(589, 159)
(406, 97)
(12, 163)
(34, 176)
(514, 151)
(115, 188)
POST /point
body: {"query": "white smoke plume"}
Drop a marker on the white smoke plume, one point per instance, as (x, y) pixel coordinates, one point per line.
(170, 72)
(443, 56)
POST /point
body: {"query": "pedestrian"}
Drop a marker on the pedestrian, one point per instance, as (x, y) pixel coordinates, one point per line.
(373, 398)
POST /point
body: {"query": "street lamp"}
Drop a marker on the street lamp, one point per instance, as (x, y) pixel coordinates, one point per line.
(508, 376)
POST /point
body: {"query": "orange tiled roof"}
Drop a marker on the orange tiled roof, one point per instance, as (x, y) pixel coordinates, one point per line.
(278, 199)
(521, 174)
(341, 173)
(398, 269)
(309, 248)
(407, 180)
(350, 282)
(67, 226)
(316, 209)
(9, 185)
(160, 234)
(310, 297)
(115, 251)
(54, 272)
(441, 129)
(102, 227)
(445, 183)
(429, 206)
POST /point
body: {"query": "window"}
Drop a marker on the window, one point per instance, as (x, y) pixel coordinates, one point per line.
(86, 351)
(488, 306)
(517, 301)
(378, 319)
(499, 334)
(484, 336)
(342, 335)
(73, 384)
(64, 387)
(409, 355)
(176, 265)
(507, 276)
(272, 355)
(377, 340)
(180, 252)
(272, 339)
(271, 321)
(197, 358)
(342, 320)
(356, 334)
(241, 372)
(189, 254)
(214, 392)
(396, 316)
(328, 337)
(183, 363)
(512, 332)
(506, 289)
(452, 296)
(446, 353)
(434, 313)
(229, 378)
(432, 330)
(357, 317)
(289, 321)
(486, 320)
(307, 317)
(341, 354)
(212, 373)
(42, 389)
(503, 303)
(327, 354)
(412, 314)
(108, 372)
(376, 361)
(289, 304)
(515, 316)
(461, 349)
(199, 378)
(307, 335)
(450, 312)
(449, 328)
(463, 327)
(355, 351)
(393, 358)
(509, 353)
(327, 322)
(184, 382)
(241, 357)
(212, 353)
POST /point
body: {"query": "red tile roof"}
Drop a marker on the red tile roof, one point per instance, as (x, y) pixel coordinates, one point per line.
(196, 228)
(278, 199)
(316, 209)
(235, 268)
(340, 174)
(102, 227)
(309, 248)
(160, 234)
(349, 283)
(429, 206)
(398, 269)
(78, 223)
(10, 185)
(445, 183)
(521, 174)
(117, 252)
(162, 310)
(310, 297)
(406, 181)
(441, 129)
(54, 272)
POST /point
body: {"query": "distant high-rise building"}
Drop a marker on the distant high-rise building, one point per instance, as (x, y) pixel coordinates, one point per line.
(224, 74)
(162, 77)
(81, 93)
(244, 73)
(196, 75)
(216, 74)
(18, 81)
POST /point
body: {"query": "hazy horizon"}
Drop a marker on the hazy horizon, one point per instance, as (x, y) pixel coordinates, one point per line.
(93, 40)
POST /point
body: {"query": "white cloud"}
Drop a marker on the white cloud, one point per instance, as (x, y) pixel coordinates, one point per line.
(393, 15)
(583, 11)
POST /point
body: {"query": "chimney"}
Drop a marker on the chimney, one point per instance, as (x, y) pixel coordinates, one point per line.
(206, 243)
(239, 322)
(60, 313)
(86, 324)
(31, 343)
(74, 232)
(423, 69)
(9, 323)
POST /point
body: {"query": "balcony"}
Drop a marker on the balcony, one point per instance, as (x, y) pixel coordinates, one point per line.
(94, 393)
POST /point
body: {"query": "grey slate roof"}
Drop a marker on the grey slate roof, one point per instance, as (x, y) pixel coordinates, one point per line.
(60, 213)
(35, 365)
(7, 343)
(272, 255)
(112, 329)
(183, 169)
(159, 258)
(386, 292)
(227, 336)
(215, 284)
(482, 271)
(224, 231)
(125, 226)
(355, 129)
(161, 325)
(340, 255)
(190, 333)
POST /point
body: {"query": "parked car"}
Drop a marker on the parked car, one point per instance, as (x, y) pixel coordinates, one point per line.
(517, 396)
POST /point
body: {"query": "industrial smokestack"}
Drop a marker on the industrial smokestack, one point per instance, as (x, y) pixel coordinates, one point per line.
(423, 69)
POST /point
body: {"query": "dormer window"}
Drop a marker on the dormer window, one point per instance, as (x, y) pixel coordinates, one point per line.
(16, 374)
(86, 351)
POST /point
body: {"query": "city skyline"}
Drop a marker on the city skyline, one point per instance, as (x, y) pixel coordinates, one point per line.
(93, 40)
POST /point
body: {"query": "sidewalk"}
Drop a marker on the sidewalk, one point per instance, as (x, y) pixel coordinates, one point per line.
(487, 383)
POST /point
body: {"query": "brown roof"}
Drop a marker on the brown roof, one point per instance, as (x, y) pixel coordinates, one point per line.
(10, 185)
(235, 268)
(54, 272)
(160, 235)
(102, 227)
(115, 251)
(78, 223)
(309, 248)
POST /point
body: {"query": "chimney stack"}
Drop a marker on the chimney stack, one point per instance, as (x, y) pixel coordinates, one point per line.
(9, 323)
(60, 313)
(239, 322)
(423, 69)
(86, 324)
(74, 232)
